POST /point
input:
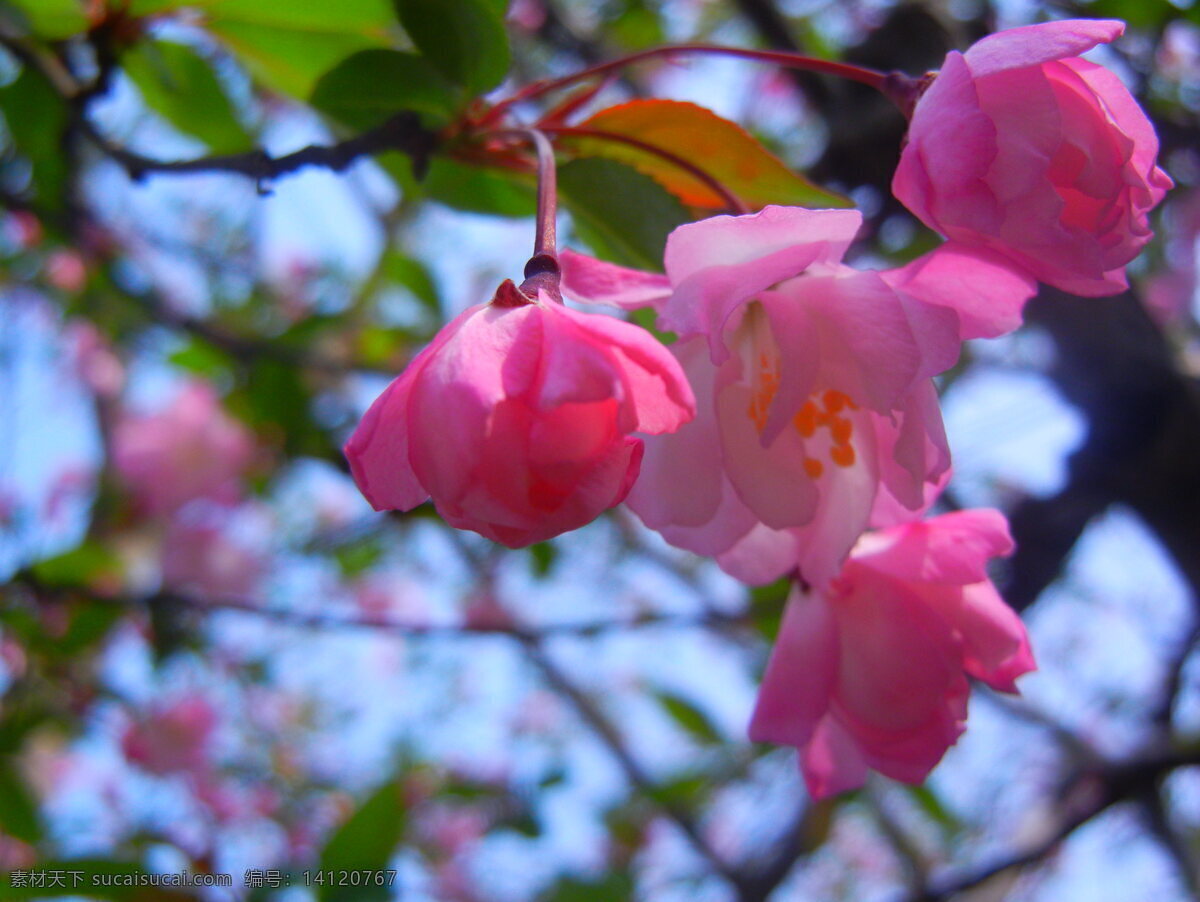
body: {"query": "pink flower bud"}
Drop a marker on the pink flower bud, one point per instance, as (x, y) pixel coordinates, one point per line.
(870, 670)
(517, 419)
(1020, 147)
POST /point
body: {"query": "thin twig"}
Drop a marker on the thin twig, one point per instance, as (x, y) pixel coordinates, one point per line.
(636, 775)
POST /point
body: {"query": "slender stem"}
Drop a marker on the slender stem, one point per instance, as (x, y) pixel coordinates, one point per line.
(545, 239)
(731, 200)
(871, 77)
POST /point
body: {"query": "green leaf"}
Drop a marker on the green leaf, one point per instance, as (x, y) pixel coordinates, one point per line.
(499, 192)
(415, 276)
(80, 566)
(53, 19)
(929, 802)
(366, 842)
(694, 721)
(766, 606)
(609, 888)
(464, 39)
(36, 118)
(368, 88)
(18, 809)
(287, 45)
(180, 85)
(90, 622)
(625, 216)
(544, 555)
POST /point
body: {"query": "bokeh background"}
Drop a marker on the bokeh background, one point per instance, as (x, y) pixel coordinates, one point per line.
(215, 658)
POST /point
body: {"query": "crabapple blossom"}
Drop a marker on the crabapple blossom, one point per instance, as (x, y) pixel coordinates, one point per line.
(1020, 148)
(517, 419)
(191, 450)
(870, 669)
(817, 415)
(172, 738)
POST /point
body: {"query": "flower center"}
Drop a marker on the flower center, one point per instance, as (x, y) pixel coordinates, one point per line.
(824, 421)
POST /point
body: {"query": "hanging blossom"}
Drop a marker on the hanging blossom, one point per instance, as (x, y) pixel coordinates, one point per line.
(1019, 148)
(518, 418)
(817, 415)
(870, 669)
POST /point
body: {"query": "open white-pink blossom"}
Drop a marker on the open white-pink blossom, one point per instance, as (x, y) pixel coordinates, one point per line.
(816, 413)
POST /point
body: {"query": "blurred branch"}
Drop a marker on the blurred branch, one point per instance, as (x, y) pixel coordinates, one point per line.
(637, 776)
(1143, 421)
(1088, 794)
(207, 604)
(402, 132)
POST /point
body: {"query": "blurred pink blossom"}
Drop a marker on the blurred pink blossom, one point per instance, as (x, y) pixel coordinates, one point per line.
(1168, 294)
(172, 738)
(97, 366)
(66, 271)
(1020, 148)
(203, 556)
(870, 669)
(190, 450)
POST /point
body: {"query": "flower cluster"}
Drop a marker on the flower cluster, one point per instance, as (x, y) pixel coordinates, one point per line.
(794, 428)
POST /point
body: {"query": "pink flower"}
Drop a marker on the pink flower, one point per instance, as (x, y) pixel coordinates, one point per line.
(1020, 148)
(870, 670)
(203, 554)
(817, 414)
(517, 419)
(190, 450)
(172, 738)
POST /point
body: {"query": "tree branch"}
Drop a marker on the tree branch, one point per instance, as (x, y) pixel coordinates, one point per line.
(402, 132)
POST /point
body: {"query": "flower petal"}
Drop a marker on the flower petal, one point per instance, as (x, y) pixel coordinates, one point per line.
(590, 281)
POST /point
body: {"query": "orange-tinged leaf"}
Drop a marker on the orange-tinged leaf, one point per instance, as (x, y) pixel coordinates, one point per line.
(723, 149)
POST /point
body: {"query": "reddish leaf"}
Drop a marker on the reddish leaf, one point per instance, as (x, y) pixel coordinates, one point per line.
(725, 150)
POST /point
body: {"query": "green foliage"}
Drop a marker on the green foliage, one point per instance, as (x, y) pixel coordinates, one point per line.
(80, 566)
(694, 722)
(464, 39)
(36, 118)
(52, 19)
(369, 87)
(18, 810)
(180, 85)
(611, 887)
(473, 189)
(766, 606)
(287, 45)
(623, 215)
(543, 556)
(366, 842)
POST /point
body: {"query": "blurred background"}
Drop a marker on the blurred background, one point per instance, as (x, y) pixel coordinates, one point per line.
(216, 659)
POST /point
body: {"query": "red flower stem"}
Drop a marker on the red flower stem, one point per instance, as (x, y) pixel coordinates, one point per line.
(871, 77)
(731, 200)
(541, 272)
(545, 238)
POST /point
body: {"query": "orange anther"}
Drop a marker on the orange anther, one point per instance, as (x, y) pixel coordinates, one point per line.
(813, 467)
(842, 455)
(841, 429)
(805, 420)
(834, 401)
